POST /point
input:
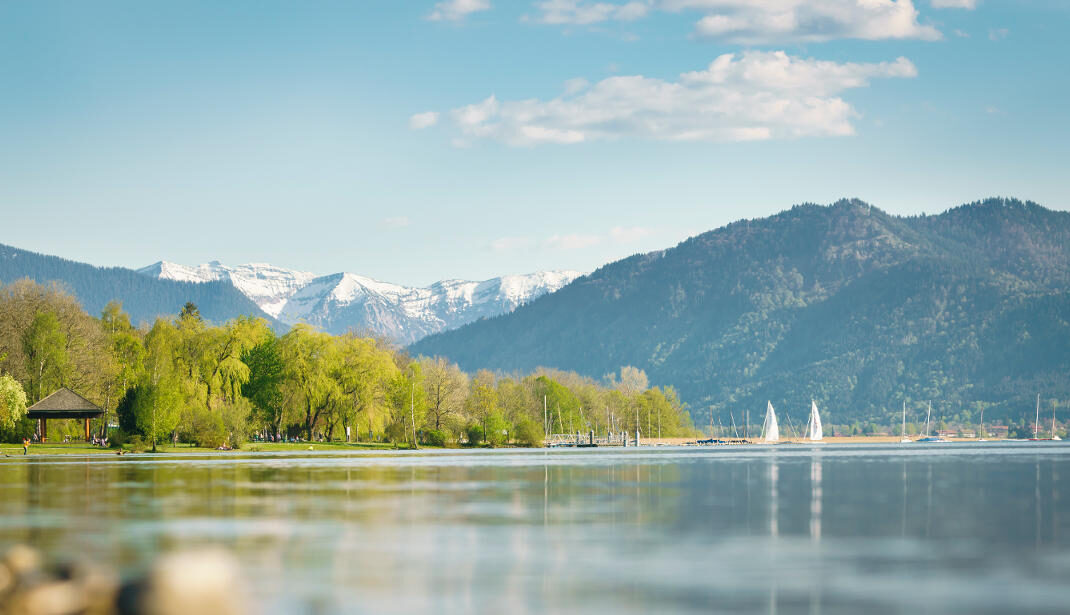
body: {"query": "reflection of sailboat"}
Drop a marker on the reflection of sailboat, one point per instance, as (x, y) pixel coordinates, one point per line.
(927, 437)
(770, 429)
(813, 424)
(815, 499)
(905, 439)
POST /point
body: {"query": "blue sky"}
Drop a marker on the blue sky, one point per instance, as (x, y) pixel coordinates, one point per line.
(420, 140)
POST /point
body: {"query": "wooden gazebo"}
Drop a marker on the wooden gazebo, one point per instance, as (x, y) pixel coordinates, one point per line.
(63, 404)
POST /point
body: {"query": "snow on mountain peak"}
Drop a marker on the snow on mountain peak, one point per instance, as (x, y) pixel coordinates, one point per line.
(346, 301)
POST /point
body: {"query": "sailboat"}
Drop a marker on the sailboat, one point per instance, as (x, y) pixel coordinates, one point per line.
(981, 430)
(1036, 423)
(770, 429)
(905, 439)
(813, 424)
(927, 437)
(1053, 436)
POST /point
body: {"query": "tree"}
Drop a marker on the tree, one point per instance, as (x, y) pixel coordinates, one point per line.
(125, 352)
(45, 348)
(264, 386)
(157, 404)
(407, 403)
(12, 402)
(362, 371)
(309, 357)
(222, 368)
(482, 398)
(190, 310)
(446, 387)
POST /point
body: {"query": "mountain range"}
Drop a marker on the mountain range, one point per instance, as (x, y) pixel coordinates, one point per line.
(844, 304)
(335, 303)
(342, 302)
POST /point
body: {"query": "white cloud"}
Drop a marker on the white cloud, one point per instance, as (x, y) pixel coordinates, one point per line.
(578, 84)
(396, 222)
(998, 34)
(767, 21)
(739, 97)
(618, 235)
(572, 242)
(628, 234)
(420, 121)
(954, 4)
(455, 10)
(509, 244)
(578, 12)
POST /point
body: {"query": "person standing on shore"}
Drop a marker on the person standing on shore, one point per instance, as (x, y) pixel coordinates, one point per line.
(25, 446)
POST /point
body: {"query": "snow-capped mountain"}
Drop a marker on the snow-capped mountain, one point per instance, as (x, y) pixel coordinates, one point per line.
(345, 301)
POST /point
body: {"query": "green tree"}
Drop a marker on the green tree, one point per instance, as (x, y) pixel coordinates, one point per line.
(264, 386)
(483, 399)
(12, 402)
(362, 371)
(408, 404)
(309, 357)
(446, 387)
(157, 404)
(45, 348)
(125, 352)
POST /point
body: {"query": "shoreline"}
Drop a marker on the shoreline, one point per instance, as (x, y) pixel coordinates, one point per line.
(77, 448)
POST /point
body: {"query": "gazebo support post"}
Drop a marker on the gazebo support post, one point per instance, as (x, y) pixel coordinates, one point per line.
(87, 429)
(44, 430)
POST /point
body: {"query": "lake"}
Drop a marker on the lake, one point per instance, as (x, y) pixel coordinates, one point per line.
(943, 528)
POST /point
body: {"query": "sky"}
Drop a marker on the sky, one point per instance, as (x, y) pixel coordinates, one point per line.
(413, 141)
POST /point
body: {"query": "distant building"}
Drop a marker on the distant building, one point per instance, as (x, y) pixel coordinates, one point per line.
(996, 431)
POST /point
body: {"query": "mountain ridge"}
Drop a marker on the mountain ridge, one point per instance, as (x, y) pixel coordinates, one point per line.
(844, 303)
(344, 301)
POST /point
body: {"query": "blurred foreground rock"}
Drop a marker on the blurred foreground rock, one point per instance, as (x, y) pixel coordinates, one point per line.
(204, 582)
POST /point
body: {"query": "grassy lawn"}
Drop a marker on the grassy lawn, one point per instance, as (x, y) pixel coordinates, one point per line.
(81, 448)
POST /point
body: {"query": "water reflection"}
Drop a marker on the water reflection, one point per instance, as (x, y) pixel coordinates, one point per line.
(815, 499)
(779, 530)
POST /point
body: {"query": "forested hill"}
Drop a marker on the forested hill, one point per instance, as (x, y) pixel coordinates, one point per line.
(144, 298)
(845, 304)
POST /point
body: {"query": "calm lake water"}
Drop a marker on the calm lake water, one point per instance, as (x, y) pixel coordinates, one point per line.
(963, 528)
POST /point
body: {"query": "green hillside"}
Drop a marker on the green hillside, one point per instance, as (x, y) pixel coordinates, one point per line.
(143, 297)
(845, 304)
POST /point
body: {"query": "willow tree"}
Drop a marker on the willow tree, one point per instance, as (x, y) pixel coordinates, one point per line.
(160, 395)
(309, 357)
(362, 369)
(12, 402)
(222, 350)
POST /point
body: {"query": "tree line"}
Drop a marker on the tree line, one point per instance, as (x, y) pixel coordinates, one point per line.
(185, 379)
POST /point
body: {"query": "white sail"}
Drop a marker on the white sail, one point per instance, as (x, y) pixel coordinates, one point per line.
(815, 422)
(770, 430)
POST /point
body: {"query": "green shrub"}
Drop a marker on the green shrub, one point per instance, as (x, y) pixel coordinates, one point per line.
(436, 437)
(475, 435)
(528, 433)
(497, 429)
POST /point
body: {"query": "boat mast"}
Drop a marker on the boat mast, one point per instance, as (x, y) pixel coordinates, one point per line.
(1036, 424)
(981, 430)
(1052, 419)
(927, 415)
(904, 419)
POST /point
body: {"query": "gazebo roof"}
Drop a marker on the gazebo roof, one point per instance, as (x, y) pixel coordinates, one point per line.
(64, 404)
